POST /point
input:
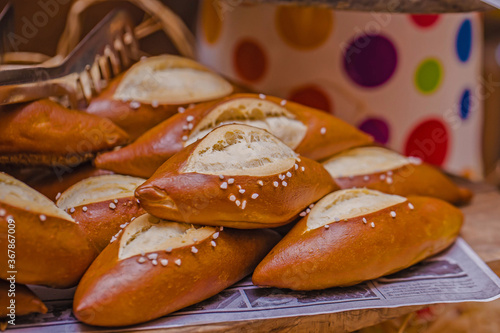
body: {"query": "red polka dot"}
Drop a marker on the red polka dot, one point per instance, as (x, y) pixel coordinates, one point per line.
(429, 141)
(249, 60)
(424, 20)
(312, 96)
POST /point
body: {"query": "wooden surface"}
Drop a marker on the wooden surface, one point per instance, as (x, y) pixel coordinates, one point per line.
(482, 225)
(481, 230)
(332, 323)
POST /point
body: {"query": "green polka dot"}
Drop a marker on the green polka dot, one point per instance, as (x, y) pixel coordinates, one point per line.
(428, 76)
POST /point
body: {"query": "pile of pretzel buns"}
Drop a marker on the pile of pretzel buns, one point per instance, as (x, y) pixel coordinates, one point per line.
(174, 184)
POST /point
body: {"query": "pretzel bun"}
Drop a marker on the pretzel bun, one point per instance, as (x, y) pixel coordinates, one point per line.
(389, 172)
(356, 235)
(26, 301)
(154, 89)
(310, 132)
(50, 248)
(156, 267)
(45, 133)
(237, 176)
(51, 182)
(101, 205)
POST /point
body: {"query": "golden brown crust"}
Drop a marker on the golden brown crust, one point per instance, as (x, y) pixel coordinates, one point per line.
(349, 252)
(45, 133)
(153, 89)
(126, 292)
(51, 182)
(198, 198)
(49, 250)
(146, 154)
(411, 179)
(338, 135)
(100, 222)
(26, 301)
(153, 148)
(134, 120)
(102, 206)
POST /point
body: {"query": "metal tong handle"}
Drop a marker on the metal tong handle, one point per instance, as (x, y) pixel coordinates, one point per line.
(107, 50)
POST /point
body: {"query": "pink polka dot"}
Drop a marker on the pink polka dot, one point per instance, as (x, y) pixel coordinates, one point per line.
(312, 96)
(429, 141)
(425, 20)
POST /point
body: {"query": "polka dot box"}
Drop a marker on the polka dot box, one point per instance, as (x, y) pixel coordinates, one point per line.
(412, 81)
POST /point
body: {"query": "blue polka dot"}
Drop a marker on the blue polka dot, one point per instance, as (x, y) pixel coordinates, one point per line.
(465, 105)
(464, 41)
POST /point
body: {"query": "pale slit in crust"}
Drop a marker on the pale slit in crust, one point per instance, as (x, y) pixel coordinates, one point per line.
(254, 112)
(148, 234)
(349, 203)
(173, 80)
(240, 150)
(100, 188)
(364, 161)
(15, 193)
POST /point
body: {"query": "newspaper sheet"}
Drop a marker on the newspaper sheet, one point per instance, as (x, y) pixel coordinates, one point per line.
(495, 3)
(456, 275)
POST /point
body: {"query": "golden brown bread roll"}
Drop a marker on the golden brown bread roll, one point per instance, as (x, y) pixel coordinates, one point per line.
(237, 176)
(356, 235)
(389, 172)
(311, 133)
(45, 133)
(153, 90)
(25, 301)
(156, 267)
(50, 248)
(52, 181)
(102, 205)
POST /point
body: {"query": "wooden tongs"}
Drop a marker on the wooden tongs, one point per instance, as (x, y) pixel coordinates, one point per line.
(108, 49)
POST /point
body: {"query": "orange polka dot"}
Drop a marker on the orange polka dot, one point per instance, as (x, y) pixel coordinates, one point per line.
(304, 27)
(312, 96)
(210, 21)
(250, 62)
